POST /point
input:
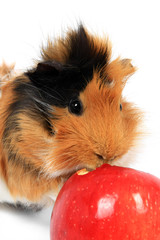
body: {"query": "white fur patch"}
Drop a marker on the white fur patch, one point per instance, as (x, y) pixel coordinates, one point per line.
(5, 195)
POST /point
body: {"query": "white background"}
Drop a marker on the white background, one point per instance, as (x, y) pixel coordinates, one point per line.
(134, 29)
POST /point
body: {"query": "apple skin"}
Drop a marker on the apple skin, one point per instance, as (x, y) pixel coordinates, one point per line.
(109, 203)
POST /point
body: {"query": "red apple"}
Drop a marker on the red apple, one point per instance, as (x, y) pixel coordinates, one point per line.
(110, 203)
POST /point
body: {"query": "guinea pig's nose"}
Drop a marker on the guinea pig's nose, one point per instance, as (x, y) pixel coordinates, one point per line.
(100, 156)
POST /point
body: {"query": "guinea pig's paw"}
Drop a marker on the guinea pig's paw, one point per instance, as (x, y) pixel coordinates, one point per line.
(6, 72)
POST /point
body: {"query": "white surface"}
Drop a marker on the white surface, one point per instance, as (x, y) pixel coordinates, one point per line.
(133, 28)
(4, 192)
(16, 225)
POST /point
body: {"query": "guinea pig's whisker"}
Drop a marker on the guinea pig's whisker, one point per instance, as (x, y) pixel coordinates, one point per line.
(68, 161)
(58, 166)
(48, 94)
(40, 109)
(48, 106)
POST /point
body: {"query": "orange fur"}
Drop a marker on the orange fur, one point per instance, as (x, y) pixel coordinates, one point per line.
(102, 130)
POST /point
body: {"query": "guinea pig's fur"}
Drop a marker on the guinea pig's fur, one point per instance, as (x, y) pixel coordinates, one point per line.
(64, 114)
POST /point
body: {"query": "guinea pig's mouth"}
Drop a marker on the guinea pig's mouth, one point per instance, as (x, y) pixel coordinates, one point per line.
(84, 167)
(68, 173)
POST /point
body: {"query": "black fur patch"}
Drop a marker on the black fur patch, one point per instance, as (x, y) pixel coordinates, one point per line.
(29, 102)
(84, 54)
(29, 208)
(59, 83)
(57, 87)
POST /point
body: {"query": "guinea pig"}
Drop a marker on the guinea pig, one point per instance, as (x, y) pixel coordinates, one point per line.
(64, 114)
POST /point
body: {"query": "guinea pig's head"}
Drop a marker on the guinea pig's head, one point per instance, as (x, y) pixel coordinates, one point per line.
(69, 109)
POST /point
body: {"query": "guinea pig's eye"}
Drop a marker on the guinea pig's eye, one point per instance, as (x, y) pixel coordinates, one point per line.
(120, 106)
(75, 106)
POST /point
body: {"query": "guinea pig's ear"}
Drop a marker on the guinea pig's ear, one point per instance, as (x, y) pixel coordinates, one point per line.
(43, 71)
(126, 63)
(49, 66)
(120, 70)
